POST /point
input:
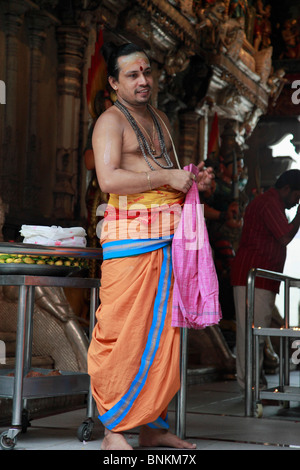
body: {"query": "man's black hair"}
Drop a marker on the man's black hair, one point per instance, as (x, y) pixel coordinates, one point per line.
(289, 178)
(111, 53)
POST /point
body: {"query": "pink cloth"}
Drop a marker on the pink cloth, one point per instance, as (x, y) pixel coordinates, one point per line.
(196, 289)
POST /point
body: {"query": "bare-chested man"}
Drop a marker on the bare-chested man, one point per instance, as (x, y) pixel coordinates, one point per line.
(134, 352)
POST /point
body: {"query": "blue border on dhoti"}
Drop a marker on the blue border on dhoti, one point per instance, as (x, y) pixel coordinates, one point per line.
(121, 248)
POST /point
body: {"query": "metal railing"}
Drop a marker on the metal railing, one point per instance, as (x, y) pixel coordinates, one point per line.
(288, 283)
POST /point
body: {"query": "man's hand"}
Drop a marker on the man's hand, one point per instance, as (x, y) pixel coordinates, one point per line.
(181, 180)
(205, 177)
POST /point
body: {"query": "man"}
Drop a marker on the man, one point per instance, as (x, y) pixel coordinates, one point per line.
(133, 357)
(266, 233)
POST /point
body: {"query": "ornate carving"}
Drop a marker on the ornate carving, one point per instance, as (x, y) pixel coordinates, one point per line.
(177, 62)
(71, 42)
(231, 36)
(163, 13)
(241, 81)
(138, 22)
(263, 63)
(290, 35)
(47, 4)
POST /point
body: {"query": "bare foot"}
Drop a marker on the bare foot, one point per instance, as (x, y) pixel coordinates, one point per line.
(161, 438)
(114, 441)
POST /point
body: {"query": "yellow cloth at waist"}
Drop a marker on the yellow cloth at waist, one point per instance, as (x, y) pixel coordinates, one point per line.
(150, 214)
(160, 196)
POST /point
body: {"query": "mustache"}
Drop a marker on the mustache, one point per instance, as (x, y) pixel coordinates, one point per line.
(146, 87)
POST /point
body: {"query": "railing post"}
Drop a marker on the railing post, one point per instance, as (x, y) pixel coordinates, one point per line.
(249, 341)
(286, 325)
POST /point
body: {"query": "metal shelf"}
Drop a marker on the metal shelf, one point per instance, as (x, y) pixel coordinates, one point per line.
(283, 392)
(18, 385)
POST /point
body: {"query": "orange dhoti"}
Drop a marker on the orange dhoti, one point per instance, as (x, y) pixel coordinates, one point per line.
(133, 358)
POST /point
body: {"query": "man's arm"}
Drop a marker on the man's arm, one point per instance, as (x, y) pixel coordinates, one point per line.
(295, 224)
(108, 147)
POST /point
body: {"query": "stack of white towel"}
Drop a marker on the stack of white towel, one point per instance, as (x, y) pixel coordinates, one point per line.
(53, 236)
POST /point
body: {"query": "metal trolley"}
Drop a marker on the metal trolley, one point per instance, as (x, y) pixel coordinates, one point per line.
(17, 386)
(283, 392)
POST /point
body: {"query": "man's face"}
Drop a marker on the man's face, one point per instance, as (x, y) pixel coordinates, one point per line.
(135, 81)
(291, 198)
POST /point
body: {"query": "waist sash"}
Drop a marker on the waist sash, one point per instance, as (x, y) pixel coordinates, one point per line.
(132, 247)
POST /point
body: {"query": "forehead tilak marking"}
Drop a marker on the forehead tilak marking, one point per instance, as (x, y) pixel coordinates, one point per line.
(139, 57)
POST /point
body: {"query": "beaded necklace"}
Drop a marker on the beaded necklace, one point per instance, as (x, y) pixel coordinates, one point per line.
(142, 141)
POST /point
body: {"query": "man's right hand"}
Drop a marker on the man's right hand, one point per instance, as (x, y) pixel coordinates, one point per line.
(181, 180)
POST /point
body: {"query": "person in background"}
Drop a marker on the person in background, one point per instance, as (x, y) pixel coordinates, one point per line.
(265, 236)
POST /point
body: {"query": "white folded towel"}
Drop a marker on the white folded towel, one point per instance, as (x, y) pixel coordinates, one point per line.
(53, 236)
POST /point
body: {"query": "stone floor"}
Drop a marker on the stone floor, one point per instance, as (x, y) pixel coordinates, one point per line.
(215, 420)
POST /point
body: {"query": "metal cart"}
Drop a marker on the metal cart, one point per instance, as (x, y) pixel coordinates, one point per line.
(19, 387)
(282, 392)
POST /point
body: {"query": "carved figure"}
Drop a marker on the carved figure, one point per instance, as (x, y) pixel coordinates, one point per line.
(291, 37)
(177, 62)
(238, 9)
(262, 27)
(276, 83)
(231, 36)
(211, 18)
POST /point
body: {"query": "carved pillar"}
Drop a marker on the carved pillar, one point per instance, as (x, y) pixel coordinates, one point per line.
(32, 184)
(71, 43)
(189, 149)
(203, 134)
(9, 164)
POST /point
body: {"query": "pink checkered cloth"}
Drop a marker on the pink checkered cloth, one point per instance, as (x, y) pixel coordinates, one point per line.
(196, 289)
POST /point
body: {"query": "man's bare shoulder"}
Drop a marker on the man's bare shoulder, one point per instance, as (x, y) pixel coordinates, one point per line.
(163, 117)
(110, 117)
(161, 114)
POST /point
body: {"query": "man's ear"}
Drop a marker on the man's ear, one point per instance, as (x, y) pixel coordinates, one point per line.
(113, 83)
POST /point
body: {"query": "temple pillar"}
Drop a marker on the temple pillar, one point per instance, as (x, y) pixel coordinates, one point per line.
(9, 187)
(71, 41)
(37, 24)
(189, 144)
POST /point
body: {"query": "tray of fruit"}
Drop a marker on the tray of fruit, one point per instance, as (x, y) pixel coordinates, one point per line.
(40, 265)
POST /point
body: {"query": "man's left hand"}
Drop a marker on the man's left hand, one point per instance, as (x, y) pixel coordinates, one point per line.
(205, 177)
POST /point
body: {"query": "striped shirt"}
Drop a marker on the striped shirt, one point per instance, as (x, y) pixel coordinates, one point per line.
(265, 223)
